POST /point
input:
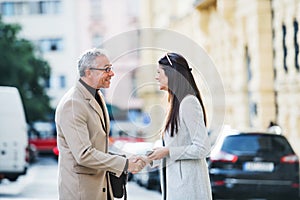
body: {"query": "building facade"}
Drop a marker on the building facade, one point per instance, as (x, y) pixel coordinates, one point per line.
(174, 28)
(286, 38)
(255, 47)
(48, 24)
(62, 29)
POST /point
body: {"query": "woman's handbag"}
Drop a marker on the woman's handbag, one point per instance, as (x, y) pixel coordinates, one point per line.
(118, 185)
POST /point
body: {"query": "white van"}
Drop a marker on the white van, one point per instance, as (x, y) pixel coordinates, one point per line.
(13, 135)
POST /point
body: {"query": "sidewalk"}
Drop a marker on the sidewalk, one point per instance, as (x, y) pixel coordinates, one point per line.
(135, 192)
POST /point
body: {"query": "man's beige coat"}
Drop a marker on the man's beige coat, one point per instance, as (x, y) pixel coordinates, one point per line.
(82, 143)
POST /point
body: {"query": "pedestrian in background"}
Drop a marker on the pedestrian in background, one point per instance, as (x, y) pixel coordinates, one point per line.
(83, 128)
(185, 138)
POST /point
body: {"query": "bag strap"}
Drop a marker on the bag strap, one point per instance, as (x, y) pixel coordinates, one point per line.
(125, 191)
(164, 174)
(124, 186)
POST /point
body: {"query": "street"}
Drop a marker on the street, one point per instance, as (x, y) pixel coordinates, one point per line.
(40, 182)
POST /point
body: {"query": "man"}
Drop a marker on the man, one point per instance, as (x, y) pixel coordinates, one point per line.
(83, 127)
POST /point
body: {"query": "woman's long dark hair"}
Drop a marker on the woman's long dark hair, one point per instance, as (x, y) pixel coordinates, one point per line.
(180, 84)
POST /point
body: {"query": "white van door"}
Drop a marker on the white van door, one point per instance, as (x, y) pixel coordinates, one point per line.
(13, 134)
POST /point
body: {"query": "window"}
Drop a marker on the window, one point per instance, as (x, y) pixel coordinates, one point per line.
(19, 8)
(252, 108)
(296, 28)
(95, 9)
(62, 81)
(45, 7)
(11, 8)
(97, 40)
(248, 64)
(49, 7)
(33, 8)
(7, 9)
(254, 144)
(47, 83)
(284, 48)
(47, 45)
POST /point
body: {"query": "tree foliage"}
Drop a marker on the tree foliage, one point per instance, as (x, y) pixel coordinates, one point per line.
(22, 68)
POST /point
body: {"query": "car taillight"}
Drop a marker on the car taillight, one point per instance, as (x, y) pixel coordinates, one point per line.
(27, 156)
(290, 159)
(223, 157)
(218, 183)
(55, 151)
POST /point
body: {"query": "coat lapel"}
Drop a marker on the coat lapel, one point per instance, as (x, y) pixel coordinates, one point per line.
(94, 104)
(105, 111)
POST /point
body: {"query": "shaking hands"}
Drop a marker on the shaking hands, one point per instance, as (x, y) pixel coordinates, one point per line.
(136, 163)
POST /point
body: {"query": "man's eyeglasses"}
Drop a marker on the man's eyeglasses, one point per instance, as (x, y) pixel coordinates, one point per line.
(169, 60)
(107, 70)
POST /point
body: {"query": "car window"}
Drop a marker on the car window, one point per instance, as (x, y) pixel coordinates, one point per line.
(252, 144)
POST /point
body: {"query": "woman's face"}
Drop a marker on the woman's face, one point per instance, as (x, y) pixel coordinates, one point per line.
(162, 78)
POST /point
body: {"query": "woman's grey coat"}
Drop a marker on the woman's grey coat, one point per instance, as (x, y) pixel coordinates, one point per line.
(187, 172)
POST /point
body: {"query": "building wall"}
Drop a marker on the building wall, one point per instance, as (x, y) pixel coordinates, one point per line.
(245, 41)
(41, 27)
(239, 39)
(148, 91)
(287, 81)
(80, 25)
(118, 18)
(251, 49)
(179, 32)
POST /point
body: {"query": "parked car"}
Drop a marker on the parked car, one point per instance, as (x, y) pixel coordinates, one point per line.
(55, 152)
(42, 136)
(149, 178)
(254, 165)
(32, 154)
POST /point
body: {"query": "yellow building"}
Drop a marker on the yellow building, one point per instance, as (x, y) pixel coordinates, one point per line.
(163, 18)
(255, 47)
(286, 17)
(239, 38)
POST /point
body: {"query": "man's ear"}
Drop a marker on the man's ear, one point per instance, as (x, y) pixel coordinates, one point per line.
(87, 73)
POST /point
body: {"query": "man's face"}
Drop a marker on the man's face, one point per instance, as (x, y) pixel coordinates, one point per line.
(98, 77)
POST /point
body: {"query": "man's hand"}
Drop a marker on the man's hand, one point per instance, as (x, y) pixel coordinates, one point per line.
(136, 164)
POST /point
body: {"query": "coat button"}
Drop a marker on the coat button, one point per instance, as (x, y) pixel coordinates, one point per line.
(103, 189)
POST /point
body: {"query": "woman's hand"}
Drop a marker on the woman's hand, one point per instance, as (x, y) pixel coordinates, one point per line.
(136, 163)
(159, 153)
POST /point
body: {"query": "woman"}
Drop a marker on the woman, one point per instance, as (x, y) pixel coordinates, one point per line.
(185, 137)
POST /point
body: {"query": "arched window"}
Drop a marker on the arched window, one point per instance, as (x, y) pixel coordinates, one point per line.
(296, 44)
(284, 47)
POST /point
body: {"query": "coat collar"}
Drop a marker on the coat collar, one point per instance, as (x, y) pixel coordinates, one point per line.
(94, 104)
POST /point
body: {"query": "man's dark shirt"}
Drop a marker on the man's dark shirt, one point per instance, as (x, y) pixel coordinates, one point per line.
(95, 94)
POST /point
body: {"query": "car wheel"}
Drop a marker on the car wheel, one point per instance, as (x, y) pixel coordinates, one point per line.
(12, 178)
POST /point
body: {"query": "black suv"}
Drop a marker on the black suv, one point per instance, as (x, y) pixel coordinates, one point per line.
(254, 165)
